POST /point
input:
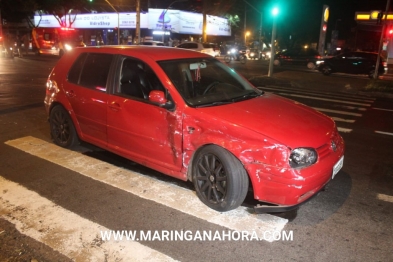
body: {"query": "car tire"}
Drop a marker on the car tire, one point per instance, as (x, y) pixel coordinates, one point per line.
(311, 65)
(227, 58)
(277, 62)
(326, 70)
(62, 128)
(371, 74)
(220, 180)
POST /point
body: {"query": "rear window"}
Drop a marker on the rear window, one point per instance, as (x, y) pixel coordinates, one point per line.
(91, 70)
(209, 46)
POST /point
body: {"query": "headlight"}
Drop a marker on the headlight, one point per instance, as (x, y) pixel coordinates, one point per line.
(302, 157)
(68, 47)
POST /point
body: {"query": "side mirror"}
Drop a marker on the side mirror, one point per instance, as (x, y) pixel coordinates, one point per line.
(158, 97)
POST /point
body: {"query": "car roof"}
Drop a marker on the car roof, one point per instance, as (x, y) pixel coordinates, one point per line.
(156, 53)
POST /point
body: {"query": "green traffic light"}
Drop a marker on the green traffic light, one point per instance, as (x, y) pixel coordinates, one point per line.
(275, 11)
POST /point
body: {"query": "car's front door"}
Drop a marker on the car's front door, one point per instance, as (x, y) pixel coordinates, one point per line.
(141, 130)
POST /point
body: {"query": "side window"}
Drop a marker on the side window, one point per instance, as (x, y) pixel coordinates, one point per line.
(95, 71)
(137, 79)
(76, 69)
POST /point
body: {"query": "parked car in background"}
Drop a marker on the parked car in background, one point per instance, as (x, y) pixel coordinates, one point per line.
(152, 43)
(206, 48)
(353, 63)
(298, 56)
(190, 116)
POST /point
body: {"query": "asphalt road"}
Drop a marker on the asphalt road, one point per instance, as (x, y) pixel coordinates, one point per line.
(55, 204)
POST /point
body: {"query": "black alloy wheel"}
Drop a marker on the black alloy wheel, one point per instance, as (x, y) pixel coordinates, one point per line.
(62, 128)
(220, 180)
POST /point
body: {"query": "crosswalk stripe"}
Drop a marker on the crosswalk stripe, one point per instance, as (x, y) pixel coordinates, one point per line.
(344, 130)
(64, 231)
(326, 99)
(336, 111)
(308, 92)
(338, 119)
(149, 188)
(384, 133)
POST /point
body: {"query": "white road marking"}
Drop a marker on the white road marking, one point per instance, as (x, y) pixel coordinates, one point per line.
(337, 111)
(343, 120)
(308, 92)
(149, 188)
(384, 133)
(344, 130)
(384, 197)
(327, 99)
(352, 107)
(64, 231)
(382, 109)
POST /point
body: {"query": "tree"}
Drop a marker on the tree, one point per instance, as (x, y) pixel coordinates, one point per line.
(19, 10)
(65, 11)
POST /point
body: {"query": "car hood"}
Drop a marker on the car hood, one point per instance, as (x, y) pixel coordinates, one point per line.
(286, 121)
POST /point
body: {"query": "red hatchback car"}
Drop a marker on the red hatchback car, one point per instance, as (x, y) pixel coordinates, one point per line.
(188, 115)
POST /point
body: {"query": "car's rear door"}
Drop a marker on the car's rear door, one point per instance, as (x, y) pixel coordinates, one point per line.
(86, 92)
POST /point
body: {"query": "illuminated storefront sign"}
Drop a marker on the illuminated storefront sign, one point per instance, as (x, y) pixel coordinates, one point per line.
(174, 21)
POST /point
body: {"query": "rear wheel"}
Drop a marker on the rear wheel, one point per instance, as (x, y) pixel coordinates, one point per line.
(220, 180)
(62, 128)
(371, 74)
(277, 62)
(227, 58)
(326, 70)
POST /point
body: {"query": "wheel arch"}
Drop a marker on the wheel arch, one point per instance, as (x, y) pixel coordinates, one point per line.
(195, 153)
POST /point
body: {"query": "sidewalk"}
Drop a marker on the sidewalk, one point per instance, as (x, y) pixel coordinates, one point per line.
(307, 81)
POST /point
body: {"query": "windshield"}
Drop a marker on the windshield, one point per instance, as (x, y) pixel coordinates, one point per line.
(207, 82)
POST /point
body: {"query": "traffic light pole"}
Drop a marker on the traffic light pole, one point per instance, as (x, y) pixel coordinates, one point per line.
(381, 40)
(272, 51)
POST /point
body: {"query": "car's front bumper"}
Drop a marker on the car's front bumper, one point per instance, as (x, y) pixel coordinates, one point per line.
(287, 188)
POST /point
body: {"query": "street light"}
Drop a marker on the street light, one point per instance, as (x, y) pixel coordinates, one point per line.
(275, 13)
(245, 37)
(163, 17)
(118, 22)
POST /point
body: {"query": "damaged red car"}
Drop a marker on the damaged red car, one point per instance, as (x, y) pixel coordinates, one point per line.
(190, 116)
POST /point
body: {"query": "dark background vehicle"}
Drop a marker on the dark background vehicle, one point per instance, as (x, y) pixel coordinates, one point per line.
(206, 48)
(353, 63)
(298, 56)
(254, 54)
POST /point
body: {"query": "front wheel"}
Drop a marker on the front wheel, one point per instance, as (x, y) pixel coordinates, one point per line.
(62, 128)
(227, 58)
(311, 65)
(220, 180)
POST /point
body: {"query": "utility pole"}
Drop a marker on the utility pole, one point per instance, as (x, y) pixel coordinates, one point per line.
(138, 22)
(381, 40)
(204, 22)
